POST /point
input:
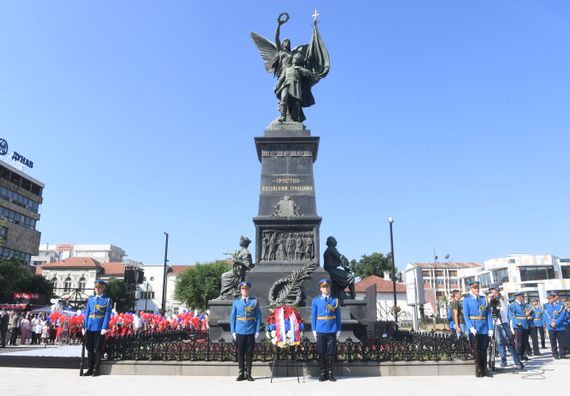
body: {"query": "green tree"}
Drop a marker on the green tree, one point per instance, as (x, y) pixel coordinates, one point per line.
(374, 264)
(200, 283)
(117, 291)
(15, 276)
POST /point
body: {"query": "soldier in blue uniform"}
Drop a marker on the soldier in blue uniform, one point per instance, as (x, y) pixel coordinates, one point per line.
(537, 326)
(519, 314)
(326, 324)
(566, 327)
(95, 326)
(554, 317)
(245, 320)
(479, 323)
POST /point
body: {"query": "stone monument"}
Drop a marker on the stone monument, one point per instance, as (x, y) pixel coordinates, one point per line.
(287, 251)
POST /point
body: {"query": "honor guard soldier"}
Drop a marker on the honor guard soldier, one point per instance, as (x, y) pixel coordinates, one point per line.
(479, 322)
(537, 326)
(554, 317)
(245, 321)
(519, 313)
(325, 321)
(95, 326)
(567, 327)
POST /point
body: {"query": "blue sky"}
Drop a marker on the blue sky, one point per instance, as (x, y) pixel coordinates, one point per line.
(451, 116)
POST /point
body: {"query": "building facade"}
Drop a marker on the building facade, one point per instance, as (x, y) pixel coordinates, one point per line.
(149, 292)
(440, 279)
(534, 275)
(20, 199)
(102, 252)
(385, 297)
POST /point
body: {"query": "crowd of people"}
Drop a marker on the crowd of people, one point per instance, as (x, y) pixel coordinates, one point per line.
(65, 327)
(509, 324)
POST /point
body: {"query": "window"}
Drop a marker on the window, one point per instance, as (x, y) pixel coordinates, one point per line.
(54, 282)
(67, 285)
(512, 261)
(453, 282)
(147, 295)
(468, 280)
(82, 283)
(565, 271)
(501, 275)
(439, 282)
(536, 273)
(15, 178)
(485, 280)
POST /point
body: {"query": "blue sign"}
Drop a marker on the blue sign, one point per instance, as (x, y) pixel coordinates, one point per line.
(15, 156)
(3, 147)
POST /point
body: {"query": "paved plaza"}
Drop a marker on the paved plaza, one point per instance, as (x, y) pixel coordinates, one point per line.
(542, 374)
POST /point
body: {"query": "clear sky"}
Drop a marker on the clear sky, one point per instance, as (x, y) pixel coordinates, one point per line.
(451, 116)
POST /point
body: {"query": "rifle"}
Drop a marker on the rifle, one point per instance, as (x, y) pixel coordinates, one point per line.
(81, 364)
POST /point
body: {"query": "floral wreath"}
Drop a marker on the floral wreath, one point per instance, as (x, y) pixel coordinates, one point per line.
(284, 326)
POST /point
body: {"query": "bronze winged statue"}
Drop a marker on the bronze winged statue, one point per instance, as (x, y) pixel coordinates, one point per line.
(296, 70)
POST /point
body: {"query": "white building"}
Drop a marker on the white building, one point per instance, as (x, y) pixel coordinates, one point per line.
(104, 253)
(534, 275)
(74, 278)
(149, 293)
(440, 279)
(385, 297)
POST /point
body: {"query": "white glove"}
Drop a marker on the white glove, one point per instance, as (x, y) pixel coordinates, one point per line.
(491, 333)
(315, 334)
(234, 336)
(337, 334)
(104, 331)
(256, 336)
(83, 331)
(473, 331)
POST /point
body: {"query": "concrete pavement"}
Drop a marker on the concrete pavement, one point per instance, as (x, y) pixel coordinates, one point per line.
(543, 373)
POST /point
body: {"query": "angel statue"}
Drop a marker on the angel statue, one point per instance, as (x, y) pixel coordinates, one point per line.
(296, 70)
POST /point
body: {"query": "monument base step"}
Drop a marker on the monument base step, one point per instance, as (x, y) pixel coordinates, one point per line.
(289, 369)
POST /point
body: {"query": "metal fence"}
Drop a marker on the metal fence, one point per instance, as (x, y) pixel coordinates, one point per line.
(184, 346)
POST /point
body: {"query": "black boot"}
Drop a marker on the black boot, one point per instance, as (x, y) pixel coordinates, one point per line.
(96, 363)
(241, 375)
(330, 364)
(323, 368)
(249, 363)
(90, 360)
(485, 367)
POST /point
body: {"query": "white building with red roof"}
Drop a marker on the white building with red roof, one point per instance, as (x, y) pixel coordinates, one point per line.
(385, 297)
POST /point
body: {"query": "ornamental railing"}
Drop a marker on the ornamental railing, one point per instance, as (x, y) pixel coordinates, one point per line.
(184, 346)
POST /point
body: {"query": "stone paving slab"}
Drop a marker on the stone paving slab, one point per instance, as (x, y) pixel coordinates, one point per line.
(543, 374)
(51, 351)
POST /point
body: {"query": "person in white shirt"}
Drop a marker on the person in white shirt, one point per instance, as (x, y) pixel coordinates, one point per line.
(504, 335)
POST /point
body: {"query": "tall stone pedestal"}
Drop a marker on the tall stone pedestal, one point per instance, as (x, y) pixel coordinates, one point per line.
(286, 227)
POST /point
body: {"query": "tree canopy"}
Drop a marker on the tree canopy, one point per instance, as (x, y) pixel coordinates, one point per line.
(200, 283)
(116, 290)
(16, 277)
(373, 264)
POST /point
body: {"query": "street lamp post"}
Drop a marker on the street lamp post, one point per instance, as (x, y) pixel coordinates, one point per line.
(391, 221)
(164, 275)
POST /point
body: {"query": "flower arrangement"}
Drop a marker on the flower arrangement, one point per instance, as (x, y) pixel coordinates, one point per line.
(284, 326)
